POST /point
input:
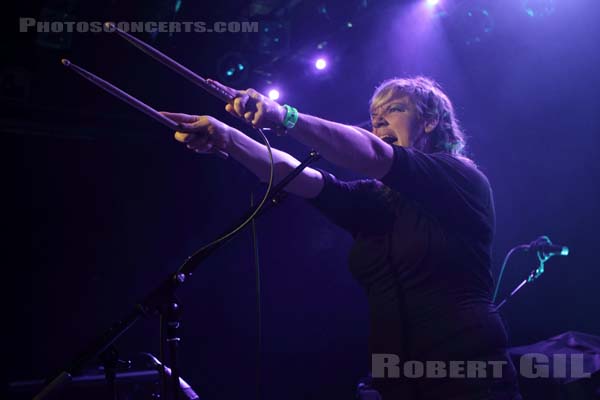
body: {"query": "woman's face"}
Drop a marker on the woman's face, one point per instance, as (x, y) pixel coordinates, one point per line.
(396, 122)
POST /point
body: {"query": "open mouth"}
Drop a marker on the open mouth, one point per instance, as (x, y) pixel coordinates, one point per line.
(389, 139)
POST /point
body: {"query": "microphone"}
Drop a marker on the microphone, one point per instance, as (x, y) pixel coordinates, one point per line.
(546, 247)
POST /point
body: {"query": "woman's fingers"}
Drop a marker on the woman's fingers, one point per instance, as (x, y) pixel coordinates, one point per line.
(205, 135)
(249, 116)
(183, 137)
(239, 104)
(204, 132)
(254, 113)
(198, 142)
(193, 132)
(258, 115)
(254, 94)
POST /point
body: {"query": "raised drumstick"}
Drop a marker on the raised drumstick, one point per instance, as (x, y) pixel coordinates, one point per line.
(221, 93)
(129, 99)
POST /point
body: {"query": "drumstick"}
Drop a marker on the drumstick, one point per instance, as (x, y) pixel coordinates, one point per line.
(129, 99)
(221, 93)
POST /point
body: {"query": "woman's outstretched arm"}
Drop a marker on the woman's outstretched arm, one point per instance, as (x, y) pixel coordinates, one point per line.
(205, 134)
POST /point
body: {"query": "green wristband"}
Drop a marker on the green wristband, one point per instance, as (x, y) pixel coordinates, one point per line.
(291, 117)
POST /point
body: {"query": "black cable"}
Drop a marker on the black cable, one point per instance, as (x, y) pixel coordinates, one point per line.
(510, 253)
(251, 217)
(161, 338)
(228, 236)
(258, 304)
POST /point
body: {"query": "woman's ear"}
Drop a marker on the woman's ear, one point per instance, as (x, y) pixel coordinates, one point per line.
(431, 124)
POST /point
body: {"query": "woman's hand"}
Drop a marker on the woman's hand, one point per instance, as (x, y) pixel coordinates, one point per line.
(202, 133)
(257, 109)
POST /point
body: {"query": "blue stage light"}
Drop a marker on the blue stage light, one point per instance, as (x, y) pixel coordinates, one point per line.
(475, 22)
(232, 68)
(539, 8)
(177, 6)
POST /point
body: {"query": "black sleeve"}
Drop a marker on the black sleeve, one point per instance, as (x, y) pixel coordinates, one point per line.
(355, 206)
(451, 189)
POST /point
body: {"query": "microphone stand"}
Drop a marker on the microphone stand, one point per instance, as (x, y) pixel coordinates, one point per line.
(162, 301)
(533, 275)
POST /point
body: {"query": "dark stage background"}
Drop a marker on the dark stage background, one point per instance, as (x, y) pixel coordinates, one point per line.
(100, 203)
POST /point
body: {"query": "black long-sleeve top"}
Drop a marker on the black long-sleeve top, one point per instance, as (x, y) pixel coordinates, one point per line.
(422, 252)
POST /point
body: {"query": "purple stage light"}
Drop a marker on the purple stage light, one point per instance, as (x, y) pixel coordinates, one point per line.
(432, 3)
(321, 64)
(274, 94)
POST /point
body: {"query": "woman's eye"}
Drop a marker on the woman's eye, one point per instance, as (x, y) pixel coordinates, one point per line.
(396, 108)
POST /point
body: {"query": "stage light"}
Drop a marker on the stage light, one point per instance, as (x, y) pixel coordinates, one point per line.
(232, 68)
(320, 64)
(539, 8)
(474, 22)
(432, 3)
(177, 6)
(274, 94)
(274, 38)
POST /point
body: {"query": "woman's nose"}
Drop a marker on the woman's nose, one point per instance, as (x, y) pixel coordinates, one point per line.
(379, 122)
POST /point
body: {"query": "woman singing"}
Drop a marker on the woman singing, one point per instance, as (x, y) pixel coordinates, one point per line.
(422, 222)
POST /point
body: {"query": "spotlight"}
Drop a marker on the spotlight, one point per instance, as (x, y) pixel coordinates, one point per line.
(474, 22)
(436, 8)
(274, 38)
(320, 64)
(538, 8)
(177, 6)
(232, 68)
(274, 94)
